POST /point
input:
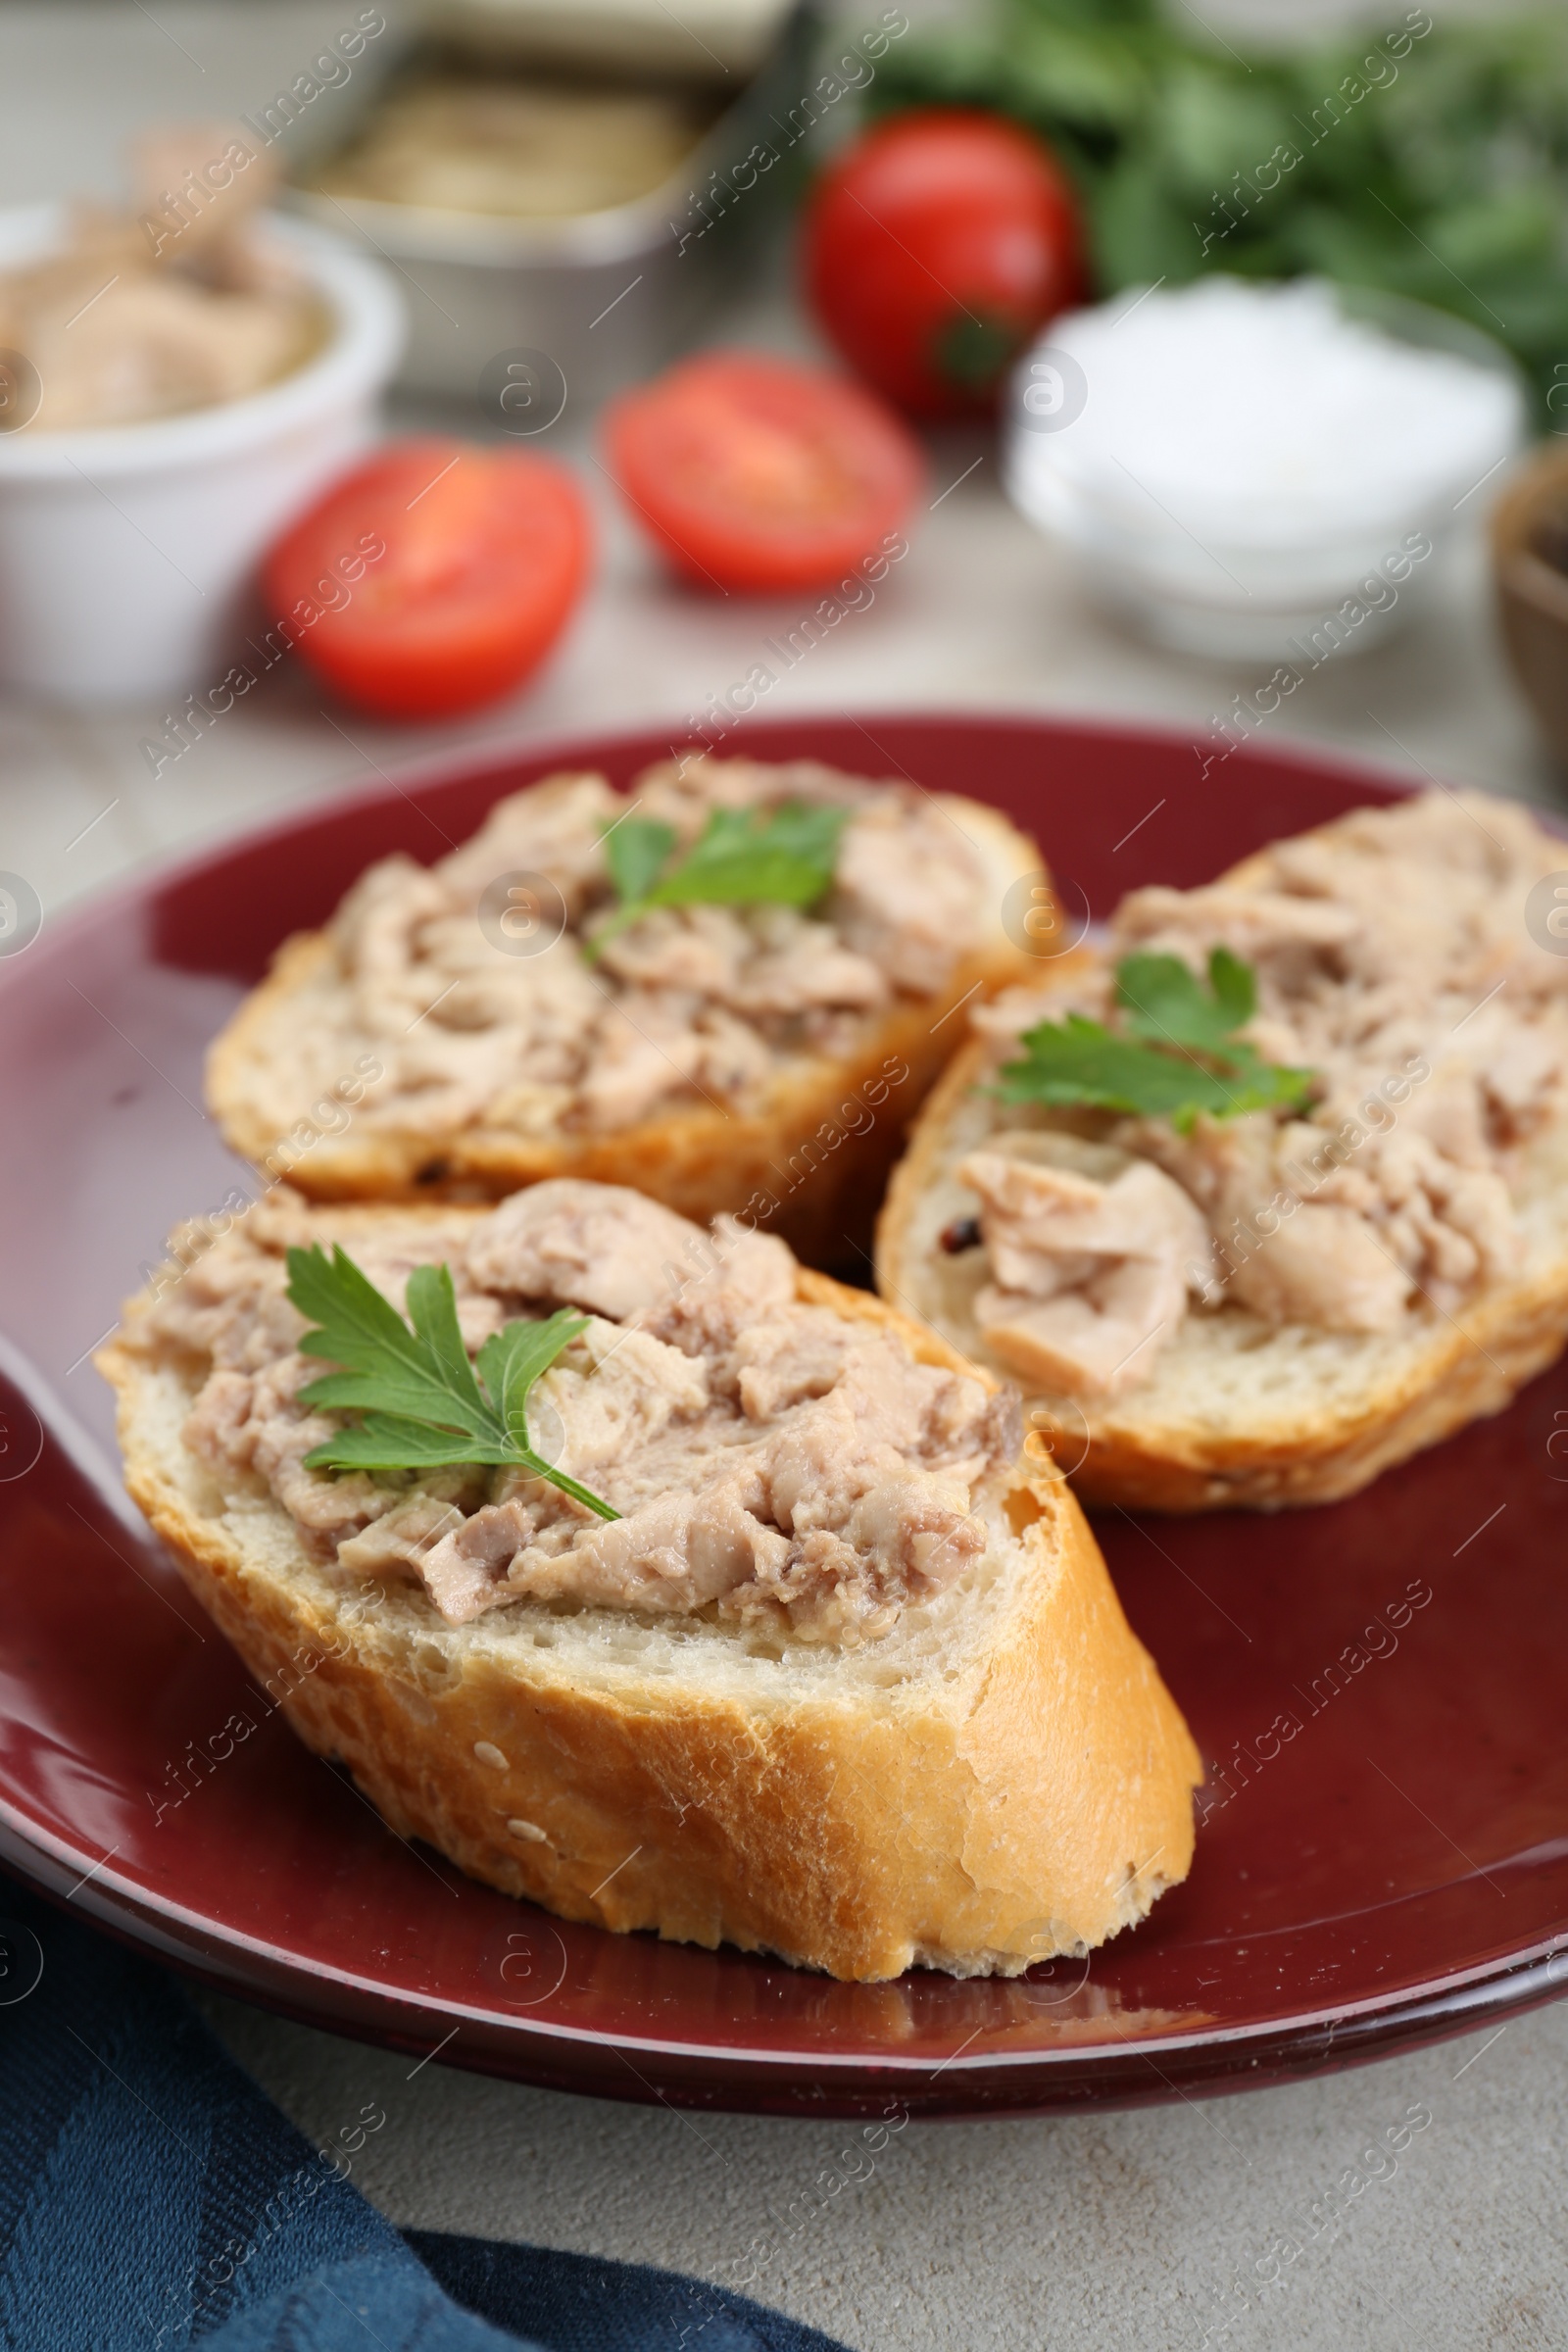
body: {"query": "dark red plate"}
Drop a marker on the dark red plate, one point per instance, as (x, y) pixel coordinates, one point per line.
(1381, 1685)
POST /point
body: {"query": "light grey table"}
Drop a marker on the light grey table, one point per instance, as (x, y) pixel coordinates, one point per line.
(1145, 2230)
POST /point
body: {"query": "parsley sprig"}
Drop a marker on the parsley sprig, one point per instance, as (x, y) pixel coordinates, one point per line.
(1176, 1054)
(419, 1403)
(780, 856)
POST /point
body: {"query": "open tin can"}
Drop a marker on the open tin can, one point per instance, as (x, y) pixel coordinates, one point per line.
(603, 298)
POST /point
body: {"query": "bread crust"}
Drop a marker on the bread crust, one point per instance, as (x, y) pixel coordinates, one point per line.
(1037, 1801)
(794, 1155)
(1466, 1366)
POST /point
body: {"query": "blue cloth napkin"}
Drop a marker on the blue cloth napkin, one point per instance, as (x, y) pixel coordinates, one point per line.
(152, 2197)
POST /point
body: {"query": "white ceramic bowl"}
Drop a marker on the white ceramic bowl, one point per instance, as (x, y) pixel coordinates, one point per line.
(1226, 582)
(127, 555)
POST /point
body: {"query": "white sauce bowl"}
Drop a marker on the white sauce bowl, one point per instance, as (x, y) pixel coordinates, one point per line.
(127, 555)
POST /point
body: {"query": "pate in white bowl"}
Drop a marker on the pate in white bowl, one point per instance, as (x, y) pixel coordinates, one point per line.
(128, 548)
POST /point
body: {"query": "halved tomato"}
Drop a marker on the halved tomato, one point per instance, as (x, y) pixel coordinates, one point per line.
(757, 473)
(433, 577)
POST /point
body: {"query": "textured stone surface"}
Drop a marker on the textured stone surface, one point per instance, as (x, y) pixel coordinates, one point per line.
(1107, 2232)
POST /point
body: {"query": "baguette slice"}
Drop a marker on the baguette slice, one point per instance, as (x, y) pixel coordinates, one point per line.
(807, 1149)
(1001, 1777)
(1237, 1412)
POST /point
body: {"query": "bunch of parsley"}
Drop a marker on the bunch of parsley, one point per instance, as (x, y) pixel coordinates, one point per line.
(1446, 181)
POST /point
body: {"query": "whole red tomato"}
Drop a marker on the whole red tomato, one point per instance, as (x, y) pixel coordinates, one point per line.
(934, 247)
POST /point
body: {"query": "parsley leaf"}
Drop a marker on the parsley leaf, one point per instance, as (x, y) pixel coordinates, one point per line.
(1175, 1057)
(1165, 1004)
(780, 856)
(635, 851)
(748, 857)
(419, 1403)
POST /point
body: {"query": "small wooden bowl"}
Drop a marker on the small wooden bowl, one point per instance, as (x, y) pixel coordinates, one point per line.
(1528, 524)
